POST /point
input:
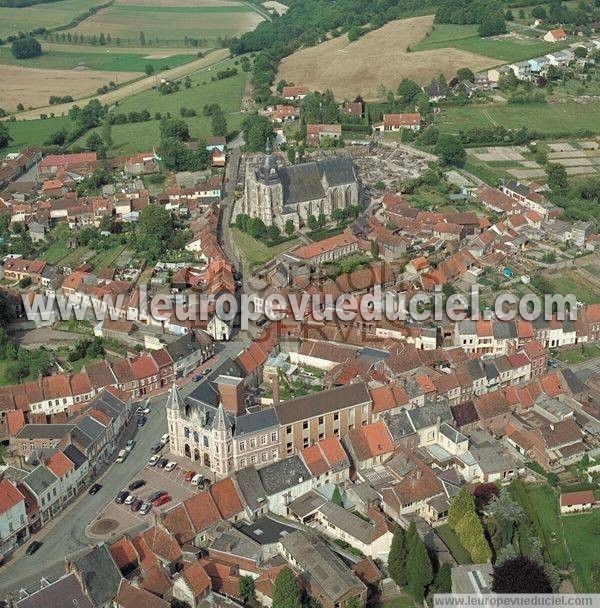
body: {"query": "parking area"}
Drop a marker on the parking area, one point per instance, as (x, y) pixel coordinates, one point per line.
(116, 519)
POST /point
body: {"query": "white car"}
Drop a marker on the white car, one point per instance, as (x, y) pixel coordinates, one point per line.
(197, 479)
(129, 445)
(152, 462)
(145, 508)
(143, 409)
(130, 499)
(170, 466)
(164, 439)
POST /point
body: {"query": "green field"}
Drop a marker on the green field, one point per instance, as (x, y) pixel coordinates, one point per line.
(566, 285)
(255, 252)
(545, 118)
(47, 15)
(583, 548)
(171, 23)
(511, 48)
(31, 132)
(109, 61)
(106, 257)
(459, 553)
(140, 137)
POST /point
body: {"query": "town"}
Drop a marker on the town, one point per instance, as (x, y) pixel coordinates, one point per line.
(313, 458)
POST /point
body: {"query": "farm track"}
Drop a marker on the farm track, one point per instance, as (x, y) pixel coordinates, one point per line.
(129, 89)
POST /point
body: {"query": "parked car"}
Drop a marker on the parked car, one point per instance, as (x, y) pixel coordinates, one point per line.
(170, 466)
(161, 500)
(152, 462)
(143, 409)
(141, 421)
(145, 509)
(155, 449)
(130, 499)
(33, 547)
(197, 378)
(129, 445)
(189, 475)
(163, 462)
(121, 497)
(207, 371)
(138, 483)
(122, 455)
(165, 439)
(156, 495)
(96, 487)
(197, 479)
(136, 505)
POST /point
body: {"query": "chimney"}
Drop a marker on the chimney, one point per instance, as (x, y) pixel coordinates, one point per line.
(230, 392)
(275, 387)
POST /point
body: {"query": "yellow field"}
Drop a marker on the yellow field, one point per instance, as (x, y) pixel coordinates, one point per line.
(33, 87)
(380, 57)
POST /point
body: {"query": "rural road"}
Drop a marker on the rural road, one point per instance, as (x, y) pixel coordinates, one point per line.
(129, 89)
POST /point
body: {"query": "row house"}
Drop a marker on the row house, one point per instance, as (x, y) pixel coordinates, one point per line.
(486, 337)
(14, 529)
(554, 333)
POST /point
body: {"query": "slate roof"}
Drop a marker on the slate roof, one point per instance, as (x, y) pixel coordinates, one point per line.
(399, 425)
(280, 476)
(250, 487)
(266, 531)
(44, 431)
(39, 480)
(75, 456)
(254, 422)
(427, 415)
(66, 591)
(100, 573)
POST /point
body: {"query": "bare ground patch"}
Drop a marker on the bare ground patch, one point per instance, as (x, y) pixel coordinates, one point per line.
(380, 57)
(32, 87)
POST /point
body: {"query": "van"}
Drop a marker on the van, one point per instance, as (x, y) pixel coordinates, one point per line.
(164, 439)
(122, 455)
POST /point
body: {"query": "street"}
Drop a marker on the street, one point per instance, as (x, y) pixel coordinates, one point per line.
(65, 536)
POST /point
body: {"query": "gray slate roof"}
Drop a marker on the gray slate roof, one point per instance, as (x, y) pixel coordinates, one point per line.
(40, 479)
(427, 415)
(66, 591)
(44, 431)
(248, 482)
(266, 530)
(100, 573)
(282, 475)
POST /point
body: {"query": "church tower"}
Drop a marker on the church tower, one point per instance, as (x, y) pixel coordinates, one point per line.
(175, 414)
(222, 452)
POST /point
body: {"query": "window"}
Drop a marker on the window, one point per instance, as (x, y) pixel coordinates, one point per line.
(242, 462)
(273, 436)
(264, 456)
(288, 429)
(336, 416)
(253, 459)
(305, 425)
(253, 442)
(242, 446)
(263, 440)
(321, 420)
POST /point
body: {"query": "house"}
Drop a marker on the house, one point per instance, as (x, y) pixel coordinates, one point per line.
(324, 575)
(396, 122)
(67, 590)
(130, 596)
(571, 502)
(369, 445)
(45, 488)
(315, 134)
(295, 93)
(557, 35)
(285, 113)
(141, 164)
(521, 69)
(495, 74)
(580, 231)
(13, 517)
(560, 58)
(191, 585)
(352, 109)
(539, 65)
(435, 92)
(52, 163)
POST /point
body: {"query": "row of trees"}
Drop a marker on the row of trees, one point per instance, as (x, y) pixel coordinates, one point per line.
(463, 519)
(488, 14)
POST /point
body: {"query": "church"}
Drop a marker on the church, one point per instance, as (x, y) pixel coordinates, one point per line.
(276, 194)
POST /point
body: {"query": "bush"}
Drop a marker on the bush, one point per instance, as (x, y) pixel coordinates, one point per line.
(26, 48)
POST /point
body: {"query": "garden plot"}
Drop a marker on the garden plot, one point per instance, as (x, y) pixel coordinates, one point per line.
(500, 153)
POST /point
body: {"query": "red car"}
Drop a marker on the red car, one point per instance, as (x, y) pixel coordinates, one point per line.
(161, 500)
(188, 475)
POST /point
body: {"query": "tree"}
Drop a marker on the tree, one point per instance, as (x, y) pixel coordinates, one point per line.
(483, 493)
(26, 48)
(397, 557)
(336, 497)
(442, 583)
(558, 180)
(312, 222)
(154, 231)
(246, 590)
(504, 554)
(465, 74)
(95, 143)
(539, 12)
(509, 15)
(492, 25)
(255, 227)
(289, 227)
(462, 504)
(142, 39)
(149, 69)
(273, 232)
(408, 90)
(420, 572)
(580, 52)
(176, 156)
(520, 575)
(257, 131)
(285, 590)
(450, 150)
(219, 123)
(106, 133)
(175, 128)
(5, 137)
(506, 513)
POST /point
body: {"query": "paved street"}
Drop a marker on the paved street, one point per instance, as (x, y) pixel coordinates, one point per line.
(66, 535)
(587, 369)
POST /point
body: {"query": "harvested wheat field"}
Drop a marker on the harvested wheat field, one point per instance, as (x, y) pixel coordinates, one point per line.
(33, 87)
(168, 3)
(380, 57)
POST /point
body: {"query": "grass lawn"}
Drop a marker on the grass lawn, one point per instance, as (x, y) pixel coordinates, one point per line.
(111, 60)
(31, 132)
(460, 554)
(398, 602)
(466, 38)
(106, 257)
(546, 118)
(140, 137)
(164, 24)
(56, 252)
(255, 252)
(577, 355)
(45, 15)
(583, 548)
(540, 504)
(567, 286)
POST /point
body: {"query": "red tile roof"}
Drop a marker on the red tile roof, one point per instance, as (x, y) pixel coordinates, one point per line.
(59, 464)
(226, 498)
(123, 552)
(9, 496)
(196, 577)
(571, 499)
